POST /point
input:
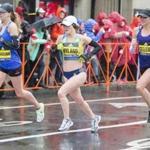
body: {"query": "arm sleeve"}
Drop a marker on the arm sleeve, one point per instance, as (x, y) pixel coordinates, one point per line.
(96, 46)
(96, 49)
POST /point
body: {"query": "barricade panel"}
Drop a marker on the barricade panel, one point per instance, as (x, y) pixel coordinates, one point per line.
(113, 63)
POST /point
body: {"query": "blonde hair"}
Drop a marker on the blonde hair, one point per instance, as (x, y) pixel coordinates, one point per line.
(16, 19)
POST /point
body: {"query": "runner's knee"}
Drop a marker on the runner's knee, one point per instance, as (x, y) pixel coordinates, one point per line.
(61, 94)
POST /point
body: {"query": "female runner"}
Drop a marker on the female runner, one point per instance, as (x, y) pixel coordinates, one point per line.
(72, 47)
(10, 63)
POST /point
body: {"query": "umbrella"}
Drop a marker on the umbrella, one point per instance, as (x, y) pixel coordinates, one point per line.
(45, 22)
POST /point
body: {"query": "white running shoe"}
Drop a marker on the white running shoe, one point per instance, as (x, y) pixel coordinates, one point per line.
(94, 123)
(66, 124)
(40, 113)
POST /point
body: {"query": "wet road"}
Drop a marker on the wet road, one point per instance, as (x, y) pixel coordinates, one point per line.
(123, 125)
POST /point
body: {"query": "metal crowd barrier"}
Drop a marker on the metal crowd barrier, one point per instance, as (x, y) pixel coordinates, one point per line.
(114, 63)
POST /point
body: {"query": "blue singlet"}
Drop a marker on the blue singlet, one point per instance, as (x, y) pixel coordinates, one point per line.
(144, 50)
(14, 61)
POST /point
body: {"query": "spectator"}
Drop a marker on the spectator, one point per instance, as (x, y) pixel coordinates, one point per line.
(81, 26)
(42, 5)
(100, 17)
(121, 35)
(40, 13)
(105, 55)
(51, 9)
(22, 8)
(90, 32)
(57, 29)
(36, 48)
(135, 22)
(56, 58)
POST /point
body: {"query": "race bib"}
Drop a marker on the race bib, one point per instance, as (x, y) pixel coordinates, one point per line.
(70, 51)
(145, 49)
(5, 54)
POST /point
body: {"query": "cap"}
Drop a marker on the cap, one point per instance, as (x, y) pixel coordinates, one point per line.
(144, 13)
(19, 10)
(69, 20)
(40, 10)
(6, 7)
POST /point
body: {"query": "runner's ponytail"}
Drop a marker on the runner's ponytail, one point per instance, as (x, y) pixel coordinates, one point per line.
(16, 19)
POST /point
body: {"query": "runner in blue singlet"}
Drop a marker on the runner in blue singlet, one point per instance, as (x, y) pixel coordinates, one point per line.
(10, 63)
(143, 40)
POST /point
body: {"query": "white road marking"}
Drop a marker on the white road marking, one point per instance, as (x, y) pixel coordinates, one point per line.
(138, 144)
(121, 105)
(70, 131)
(55, 104)
(14, 123)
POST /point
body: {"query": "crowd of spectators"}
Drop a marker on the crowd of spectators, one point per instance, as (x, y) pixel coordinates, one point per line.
(111, 30)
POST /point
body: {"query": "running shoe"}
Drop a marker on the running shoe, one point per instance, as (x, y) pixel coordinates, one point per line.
(94, 123)
(66, 124)
(40, 113)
